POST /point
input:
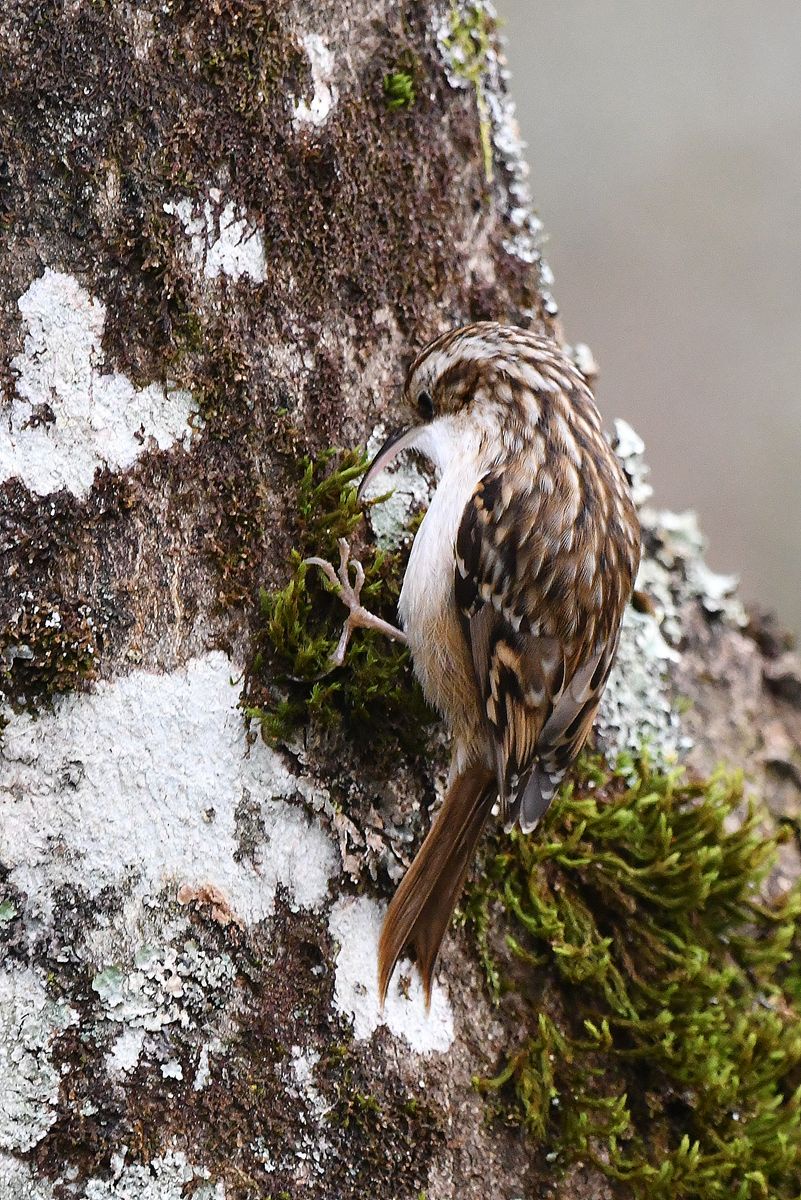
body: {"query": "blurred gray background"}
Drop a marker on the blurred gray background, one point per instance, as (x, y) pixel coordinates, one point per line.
(665, 150)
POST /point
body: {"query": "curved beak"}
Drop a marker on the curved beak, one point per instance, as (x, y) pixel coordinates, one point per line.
(401, 439)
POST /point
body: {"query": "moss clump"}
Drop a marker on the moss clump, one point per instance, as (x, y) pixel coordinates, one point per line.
(373, 699)
(46, 649)
(662, 991)
(364, 1118)
(399, 90)
(467, 44)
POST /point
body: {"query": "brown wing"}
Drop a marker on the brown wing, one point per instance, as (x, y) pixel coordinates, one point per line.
(542, 625)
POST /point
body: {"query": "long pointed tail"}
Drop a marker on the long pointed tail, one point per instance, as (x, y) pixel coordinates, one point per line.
(421, 908)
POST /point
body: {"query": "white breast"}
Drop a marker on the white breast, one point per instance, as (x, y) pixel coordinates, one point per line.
(428, 582)
(426, 606)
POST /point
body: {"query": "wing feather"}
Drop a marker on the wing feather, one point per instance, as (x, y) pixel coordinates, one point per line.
(541, 618)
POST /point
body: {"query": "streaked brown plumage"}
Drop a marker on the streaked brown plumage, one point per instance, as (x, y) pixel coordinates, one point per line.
(513, 596)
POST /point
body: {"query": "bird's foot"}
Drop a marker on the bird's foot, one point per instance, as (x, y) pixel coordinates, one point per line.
(349, 594)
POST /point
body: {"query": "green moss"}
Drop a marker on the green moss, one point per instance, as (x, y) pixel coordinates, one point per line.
(353, 1108)
(326, 499)
(367, 1117)
(470, 32)
(373, 699)
(45, 650)
(662, 1039)
(399, 90)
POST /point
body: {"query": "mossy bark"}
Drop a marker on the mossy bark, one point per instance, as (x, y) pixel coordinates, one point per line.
(374, 169)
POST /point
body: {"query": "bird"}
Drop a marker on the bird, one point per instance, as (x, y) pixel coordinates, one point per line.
(513, 595)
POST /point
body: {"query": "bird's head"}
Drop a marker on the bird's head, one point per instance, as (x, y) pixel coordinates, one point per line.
(477, 377)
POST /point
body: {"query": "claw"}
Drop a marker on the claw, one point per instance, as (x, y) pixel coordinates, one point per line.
(350, 595)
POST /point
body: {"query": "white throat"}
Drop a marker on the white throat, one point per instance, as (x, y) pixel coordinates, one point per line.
(452, 441)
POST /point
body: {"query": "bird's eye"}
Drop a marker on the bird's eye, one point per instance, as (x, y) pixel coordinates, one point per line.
(425, 405)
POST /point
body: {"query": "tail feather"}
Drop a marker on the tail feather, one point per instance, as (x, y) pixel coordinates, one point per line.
(533, 799)
(421, 909)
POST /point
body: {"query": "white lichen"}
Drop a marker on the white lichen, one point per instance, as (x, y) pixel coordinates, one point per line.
(487, 72)
(679, 550)
(673, 569)
(630, 449)
(355, 924)
(638, 706)
(409, 489)
(163, 986)
(303, 1064)
(584, 359)
(220, 241)
(525, 240)
(157, 768)
(69, 414)
(317, 110)
(123, 1057)
(302, 1158)
(29, 1081)
(163, 1178)
(203, 1069)
(312, 1146)
(17, 1182)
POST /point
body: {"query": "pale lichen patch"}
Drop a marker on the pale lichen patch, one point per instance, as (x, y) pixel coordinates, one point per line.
(313, 1146)
(673, 570)
(583, 357)
(69, 416)
(203, 1066)
(525, 241)
(680, 550)
(303, 1064)
(163, 1178)
(472, 51)
(316, 110)
(163, 986)
(29, 1081)
(167, 755)
(638, 707)
(355, 924)
(123, 1057)
(630, 449)
(17, 1182)
(409, 490)
(223, 244)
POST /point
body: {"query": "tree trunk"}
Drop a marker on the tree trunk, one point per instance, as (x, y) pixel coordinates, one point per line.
(226, 228)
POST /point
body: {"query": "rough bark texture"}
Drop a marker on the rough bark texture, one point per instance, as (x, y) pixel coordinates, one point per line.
(222, 242)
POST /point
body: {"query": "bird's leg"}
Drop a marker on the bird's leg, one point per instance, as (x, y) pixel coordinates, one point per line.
(349, 594)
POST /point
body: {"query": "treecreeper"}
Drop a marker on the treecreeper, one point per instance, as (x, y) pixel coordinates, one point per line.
(513, 596)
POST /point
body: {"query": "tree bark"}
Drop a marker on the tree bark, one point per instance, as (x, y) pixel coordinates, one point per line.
(226, 229)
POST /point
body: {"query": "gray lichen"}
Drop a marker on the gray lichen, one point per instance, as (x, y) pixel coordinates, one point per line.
(18, 1183)
(472, 50)
(638, 707)
(409, 491)
(163, 1178)
(167, 985)
(29, 1080)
